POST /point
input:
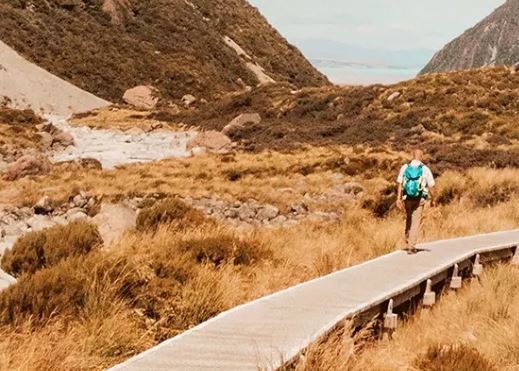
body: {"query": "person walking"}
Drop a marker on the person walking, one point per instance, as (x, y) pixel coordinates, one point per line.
(415, 189)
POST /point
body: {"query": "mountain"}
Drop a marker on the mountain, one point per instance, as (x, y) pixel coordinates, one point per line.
(491, 42)
(204, 47)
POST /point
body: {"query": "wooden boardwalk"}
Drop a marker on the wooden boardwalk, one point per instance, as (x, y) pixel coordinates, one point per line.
(264, 333)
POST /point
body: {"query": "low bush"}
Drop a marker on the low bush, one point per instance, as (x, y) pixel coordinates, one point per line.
(453, 357)
(225, 248)
(170, 211)
(43, 249)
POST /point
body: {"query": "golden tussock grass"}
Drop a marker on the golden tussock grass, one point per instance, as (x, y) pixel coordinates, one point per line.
(475, 329)
(163, 280)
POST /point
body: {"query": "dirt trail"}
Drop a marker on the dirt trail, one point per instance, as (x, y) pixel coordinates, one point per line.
(28, 86)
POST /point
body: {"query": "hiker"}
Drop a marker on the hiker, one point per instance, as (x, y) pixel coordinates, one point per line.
(415, 183)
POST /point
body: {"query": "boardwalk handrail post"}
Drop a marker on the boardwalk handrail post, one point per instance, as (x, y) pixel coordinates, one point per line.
(515, 259)
(390, 318)
(477, 268)
(456, 278)
(429, 297)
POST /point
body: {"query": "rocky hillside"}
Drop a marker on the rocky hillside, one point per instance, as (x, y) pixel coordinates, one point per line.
(491, 42)
(201, 47)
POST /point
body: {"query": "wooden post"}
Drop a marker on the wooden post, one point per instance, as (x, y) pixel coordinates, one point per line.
(390, 318)
(429, 297)
(515, 259)
(456, 279)
(477, 268)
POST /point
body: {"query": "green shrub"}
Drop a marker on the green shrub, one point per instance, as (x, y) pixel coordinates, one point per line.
(43, 249)
(452, 357)
(170, 211)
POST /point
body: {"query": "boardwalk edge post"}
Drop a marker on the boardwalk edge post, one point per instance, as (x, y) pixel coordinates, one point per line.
(429, 297)
(477, 268)
(515, 259)
(390, 319)
(456, 279)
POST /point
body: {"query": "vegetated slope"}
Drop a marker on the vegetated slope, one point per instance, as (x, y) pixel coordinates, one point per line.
(491, 42)
(462, 118)
(106, 47)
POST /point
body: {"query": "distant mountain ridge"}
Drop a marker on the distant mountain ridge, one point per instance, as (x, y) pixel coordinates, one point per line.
(492, 42)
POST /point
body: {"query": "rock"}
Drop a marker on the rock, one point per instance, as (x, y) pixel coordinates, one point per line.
(15, 229)
(197, 151)
(90, 164)
(212, 141)
(142, 97)
(113, 220)
(3, 166)
(79, 215)
(514, 68)
(79, 201)
(394, 96)
(27, 165)
(62, 139)
(40, 222)
(279, 220)
(188, 100)
(299, 208)
(267, 212)
(118, 10)
(45, 140)
(246, 212)
(44, 206)
(240, 122)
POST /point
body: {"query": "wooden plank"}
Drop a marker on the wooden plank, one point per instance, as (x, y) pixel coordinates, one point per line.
(263, 333)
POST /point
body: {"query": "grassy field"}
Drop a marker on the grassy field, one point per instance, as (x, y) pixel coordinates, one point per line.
(475, 329)
(89, 308)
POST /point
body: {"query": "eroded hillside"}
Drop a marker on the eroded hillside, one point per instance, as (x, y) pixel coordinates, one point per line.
(106, 47)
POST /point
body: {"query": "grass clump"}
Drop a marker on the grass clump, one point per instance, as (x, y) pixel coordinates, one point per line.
(453, 357)
(170, 211)
(225, 248)
(43, 249)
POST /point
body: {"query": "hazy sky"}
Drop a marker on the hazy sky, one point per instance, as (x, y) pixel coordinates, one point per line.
(373, 32)
(387, 24)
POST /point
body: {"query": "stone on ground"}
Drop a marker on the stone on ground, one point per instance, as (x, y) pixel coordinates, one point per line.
(142, 97)
(212, 141)
(113, 220)
(240, 122)
(27, 165)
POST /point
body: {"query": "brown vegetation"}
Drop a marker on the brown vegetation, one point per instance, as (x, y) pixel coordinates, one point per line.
(170, 211)
(472, 330)
(43, 249)
(176, 46)
(163, 281)
(18, 133)
(463, 119)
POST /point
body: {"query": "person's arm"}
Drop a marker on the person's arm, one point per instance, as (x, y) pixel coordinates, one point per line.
(431, 183)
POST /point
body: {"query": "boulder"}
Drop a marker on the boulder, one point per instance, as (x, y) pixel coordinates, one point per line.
(40, 222)
(240, 122)
(113, 220)
(44, 206)
(142, 97)
(45, 140)
(267, 212)
(212, 141)
(27, 165)
(188, 100)
(515, 68)
(62, 139)
(394, 96)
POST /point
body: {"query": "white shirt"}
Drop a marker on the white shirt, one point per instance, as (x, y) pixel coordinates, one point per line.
(428, 177)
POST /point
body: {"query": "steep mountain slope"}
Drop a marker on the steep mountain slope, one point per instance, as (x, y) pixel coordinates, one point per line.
(108, 46)
(491, 42)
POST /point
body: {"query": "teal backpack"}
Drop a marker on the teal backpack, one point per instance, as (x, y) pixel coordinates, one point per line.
(413, 181)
